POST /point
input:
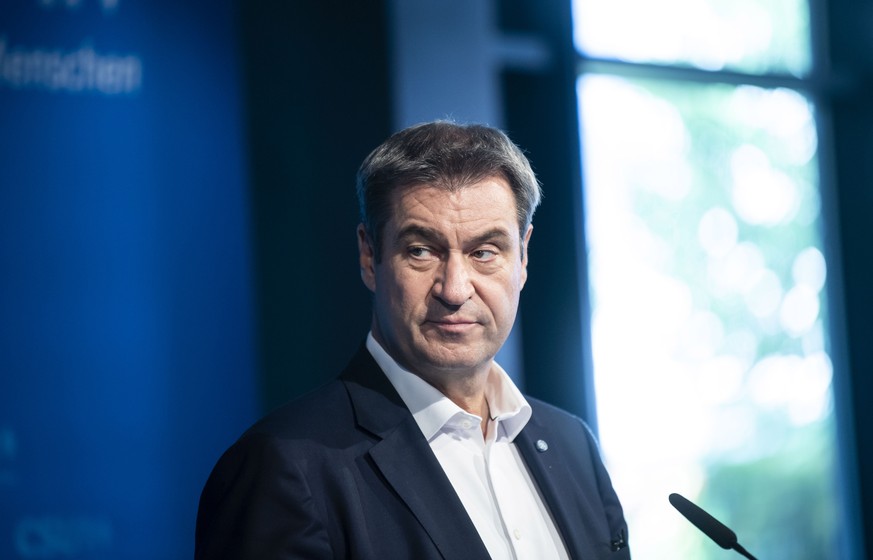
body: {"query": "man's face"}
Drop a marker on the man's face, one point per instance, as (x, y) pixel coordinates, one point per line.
(446, 290)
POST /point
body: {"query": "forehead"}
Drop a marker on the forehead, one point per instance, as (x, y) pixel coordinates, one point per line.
(485, 203)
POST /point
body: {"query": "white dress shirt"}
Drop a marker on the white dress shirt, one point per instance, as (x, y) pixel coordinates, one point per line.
(487, 472)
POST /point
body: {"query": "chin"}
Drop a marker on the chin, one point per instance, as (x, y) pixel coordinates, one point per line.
(454, 362)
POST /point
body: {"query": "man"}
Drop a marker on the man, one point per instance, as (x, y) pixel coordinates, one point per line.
(424, 448)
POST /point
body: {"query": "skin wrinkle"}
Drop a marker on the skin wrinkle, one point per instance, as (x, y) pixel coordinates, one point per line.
(446, 290)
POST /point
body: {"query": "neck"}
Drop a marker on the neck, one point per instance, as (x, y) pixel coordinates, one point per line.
(468, 392)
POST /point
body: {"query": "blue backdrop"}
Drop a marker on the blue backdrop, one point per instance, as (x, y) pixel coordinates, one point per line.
(126, 345)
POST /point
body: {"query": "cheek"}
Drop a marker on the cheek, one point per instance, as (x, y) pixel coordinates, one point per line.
(403, 294)
(502, 297)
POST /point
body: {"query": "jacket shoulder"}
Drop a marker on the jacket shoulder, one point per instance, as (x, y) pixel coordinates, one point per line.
(307, 416)
(552, 415)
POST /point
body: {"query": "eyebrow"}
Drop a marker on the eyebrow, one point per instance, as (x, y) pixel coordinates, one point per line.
(494, 235)
(416, 231)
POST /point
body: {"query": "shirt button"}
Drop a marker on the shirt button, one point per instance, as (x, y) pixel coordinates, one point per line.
(467, 424)
(517, 534)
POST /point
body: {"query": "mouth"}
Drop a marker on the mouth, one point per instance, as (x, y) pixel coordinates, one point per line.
(455, 326)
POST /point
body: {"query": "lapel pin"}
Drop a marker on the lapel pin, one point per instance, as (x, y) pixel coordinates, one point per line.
(542, 446)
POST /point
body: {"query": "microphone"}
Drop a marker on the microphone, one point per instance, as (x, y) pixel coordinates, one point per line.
(711, 527)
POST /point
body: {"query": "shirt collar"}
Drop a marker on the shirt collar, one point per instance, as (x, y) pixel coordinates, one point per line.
(432, 410)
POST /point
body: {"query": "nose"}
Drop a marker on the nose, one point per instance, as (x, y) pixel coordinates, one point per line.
(453, 285)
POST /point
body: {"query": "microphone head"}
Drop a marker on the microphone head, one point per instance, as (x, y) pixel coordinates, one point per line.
(711, 527)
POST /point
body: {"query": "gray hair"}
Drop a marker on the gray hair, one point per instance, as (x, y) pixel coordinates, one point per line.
(446, 155)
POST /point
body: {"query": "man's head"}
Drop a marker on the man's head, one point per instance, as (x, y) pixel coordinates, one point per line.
(443, 246)
(446, 155)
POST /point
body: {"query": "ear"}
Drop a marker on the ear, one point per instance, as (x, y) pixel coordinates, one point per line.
(524, 254)
(366, 258)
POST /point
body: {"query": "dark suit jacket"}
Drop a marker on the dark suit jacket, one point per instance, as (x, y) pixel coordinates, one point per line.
(345, 472)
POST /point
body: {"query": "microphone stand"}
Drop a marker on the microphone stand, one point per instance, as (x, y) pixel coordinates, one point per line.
(739, 548)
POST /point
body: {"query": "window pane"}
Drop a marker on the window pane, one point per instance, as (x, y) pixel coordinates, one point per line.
(753, 36)
(707, 275)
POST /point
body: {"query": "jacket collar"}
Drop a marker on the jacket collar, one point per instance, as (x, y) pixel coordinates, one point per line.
(548, 467)
(432, 410)
(405, 459)
(578, 511)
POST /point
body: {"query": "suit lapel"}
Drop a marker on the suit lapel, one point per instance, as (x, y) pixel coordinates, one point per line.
(571, 506)
(409, 465)
(406, 461)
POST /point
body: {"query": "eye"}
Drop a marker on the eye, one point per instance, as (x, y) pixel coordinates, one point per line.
(419, 252)
(484, 254)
